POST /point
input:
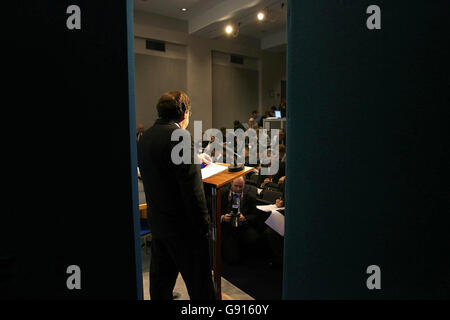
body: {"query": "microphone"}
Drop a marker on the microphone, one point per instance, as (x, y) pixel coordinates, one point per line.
(235, 167)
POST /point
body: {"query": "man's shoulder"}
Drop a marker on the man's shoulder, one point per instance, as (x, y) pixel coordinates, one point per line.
(160, 129)
(163, 126)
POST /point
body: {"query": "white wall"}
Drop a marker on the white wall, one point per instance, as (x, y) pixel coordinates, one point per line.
(223, 59)
(154, 76)
(274, 71)
(197, 53)
(199, 81)
(235, 90)
(157, 72)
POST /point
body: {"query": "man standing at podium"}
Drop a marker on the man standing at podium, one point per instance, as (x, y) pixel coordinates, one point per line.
(177, 210)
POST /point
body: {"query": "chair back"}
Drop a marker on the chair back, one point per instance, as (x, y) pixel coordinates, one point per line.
(270, 196)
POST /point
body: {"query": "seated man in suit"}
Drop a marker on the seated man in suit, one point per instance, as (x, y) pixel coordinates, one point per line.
(281, 169)
(252, 124)
(281, 182)
(273, 239)
(258, 118)
(238, 221)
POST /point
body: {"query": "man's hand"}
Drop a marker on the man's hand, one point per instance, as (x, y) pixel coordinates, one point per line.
(279, 203)
(242, 218)
(205, 159)
(281, 180)
(226, 218)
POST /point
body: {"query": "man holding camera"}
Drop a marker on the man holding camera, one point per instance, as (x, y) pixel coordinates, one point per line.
(238, 219)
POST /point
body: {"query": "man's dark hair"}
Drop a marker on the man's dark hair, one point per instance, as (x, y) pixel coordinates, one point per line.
(172, 105)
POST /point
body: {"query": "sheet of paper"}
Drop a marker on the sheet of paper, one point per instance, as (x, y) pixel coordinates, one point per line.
(276, 222)
(268, 208)
(249, 168)
(211, 170)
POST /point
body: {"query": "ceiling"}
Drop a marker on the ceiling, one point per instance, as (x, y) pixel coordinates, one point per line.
(172, 8)
(208, 18)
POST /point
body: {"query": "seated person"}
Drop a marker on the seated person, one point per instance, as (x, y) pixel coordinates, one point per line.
(251, 124)
(264, 161)
(238, 221)
(247, 161)
(282, 137)
(238, 125)
(281, 167)
(258, 118)
(280, 202)
(273, 239)
(282, 164)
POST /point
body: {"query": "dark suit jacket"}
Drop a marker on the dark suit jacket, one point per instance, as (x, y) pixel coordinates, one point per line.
(281, 172)
(175, 196)
(248, 207)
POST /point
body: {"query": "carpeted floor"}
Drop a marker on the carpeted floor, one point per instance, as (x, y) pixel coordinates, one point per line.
(255, 277)
(230, 291)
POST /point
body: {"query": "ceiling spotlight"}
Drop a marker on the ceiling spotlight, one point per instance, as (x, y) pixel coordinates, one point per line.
(261, 15)
(229, 29)
(184, 9)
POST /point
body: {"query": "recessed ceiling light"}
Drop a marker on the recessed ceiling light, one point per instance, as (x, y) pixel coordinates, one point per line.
(184, 9)
(261, 16)
(229, 29)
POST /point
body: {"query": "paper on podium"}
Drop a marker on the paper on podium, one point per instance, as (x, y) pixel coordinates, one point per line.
(211, 170)
(268, 208)
(276, 222)
(249, 168)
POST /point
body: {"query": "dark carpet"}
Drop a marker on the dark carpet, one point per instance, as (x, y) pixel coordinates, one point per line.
(255, 277)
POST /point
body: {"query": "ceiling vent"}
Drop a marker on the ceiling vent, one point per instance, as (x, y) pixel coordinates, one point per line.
(155, 45)
(236, 59)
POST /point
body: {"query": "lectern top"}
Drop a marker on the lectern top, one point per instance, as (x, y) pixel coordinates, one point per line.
(224, 177)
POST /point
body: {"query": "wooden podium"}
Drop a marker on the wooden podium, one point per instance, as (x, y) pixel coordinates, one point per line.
(216, 182)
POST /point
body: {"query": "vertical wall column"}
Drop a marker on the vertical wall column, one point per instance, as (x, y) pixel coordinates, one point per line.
(199, 81)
